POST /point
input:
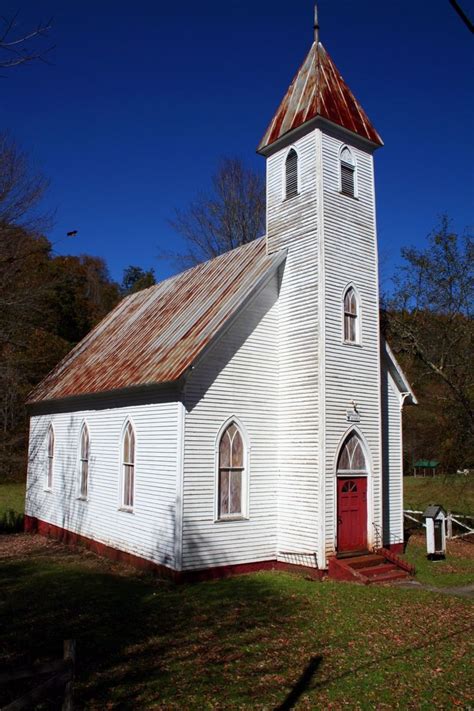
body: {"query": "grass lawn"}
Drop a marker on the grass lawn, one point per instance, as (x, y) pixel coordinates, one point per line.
(262, 641)
(12, 506)
(457, 568)
(454, 492)
(12, 497)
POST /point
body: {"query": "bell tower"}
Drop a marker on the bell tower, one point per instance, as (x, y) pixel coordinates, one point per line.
(321, 208)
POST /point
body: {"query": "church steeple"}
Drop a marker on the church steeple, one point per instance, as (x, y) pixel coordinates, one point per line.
(318, 90)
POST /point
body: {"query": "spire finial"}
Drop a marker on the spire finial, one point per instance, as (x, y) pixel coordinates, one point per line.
(316, 25)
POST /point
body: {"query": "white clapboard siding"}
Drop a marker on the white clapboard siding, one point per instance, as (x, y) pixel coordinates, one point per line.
(292, 224)
(392, 461)
(148, 531)
(351, 372)
(238, 377)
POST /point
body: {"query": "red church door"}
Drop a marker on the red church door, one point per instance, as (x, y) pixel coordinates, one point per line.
(351, 514)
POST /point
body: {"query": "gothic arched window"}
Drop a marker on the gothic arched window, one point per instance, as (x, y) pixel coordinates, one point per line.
(50, 463)
(351, 316)
(128, 467)
(84, 462)
(291, 174)
(231, 473)
(352, 458)
(347, 167)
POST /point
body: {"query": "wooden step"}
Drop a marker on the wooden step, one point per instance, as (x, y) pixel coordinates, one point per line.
(376, 570)
(389, 577)
(365, 561)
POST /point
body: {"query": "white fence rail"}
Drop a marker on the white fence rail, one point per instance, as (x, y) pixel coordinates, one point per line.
(450, 519)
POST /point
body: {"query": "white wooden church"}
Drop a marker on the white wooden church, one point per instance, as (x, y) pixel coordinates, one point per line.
(246, 413)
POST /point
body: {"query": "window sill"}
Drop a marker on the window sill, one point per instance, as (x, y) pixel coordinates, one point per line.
(353, 197)
(47, 490)
(82, 498)
(354, 344)
(227, 519)
(292, 197)
(124, 509)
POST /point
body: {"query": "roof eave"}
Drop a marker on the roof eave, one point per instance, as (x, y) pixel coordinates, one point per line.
(316, 122)
(398, 375)
(278, 258)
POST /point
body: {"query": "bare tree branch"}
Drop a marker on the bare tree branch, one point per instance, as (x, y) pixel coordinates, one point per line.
(232, 214)
(430, 320)
(17, 47)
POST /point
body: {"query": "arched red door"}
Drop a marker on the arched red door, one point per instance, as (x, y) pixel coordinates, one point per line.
(351, 514)
(352, 475)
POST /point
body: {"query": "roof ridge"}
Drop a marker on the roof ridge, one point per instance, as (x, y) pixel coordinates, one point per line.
(196, 266)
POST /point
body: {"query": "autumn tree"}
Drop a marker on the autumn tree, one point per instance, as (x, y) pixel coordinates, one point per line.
(430, 323)
(47, 302)
(231, 214)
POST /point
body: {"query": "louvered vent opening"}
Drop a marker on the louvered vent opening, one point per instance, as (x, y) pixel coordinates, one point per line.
(347, 179)
(291, 174)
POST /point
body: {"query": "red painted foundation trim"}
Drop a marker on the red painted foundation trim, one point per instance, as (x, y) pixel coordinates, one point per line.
(49, 530)
(36, 525)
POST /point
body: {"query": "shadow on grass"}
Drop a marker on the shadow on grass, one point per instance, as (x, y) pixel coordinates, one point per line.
(301, 685)
(139, 640)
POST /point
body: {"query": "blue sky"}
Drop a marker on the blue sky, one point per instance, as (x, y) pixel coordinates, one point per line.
(131, 119)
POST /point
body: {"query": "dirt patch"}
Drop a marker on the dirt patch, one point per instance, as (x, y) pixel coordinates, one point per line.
(458, 548)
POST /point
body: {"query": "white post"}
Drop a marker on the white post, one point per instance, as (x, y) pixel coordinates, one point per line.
(449, 525)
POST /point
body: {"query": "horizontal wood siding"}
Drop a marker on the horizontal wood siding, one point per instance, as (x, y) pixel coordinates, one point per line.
(292, 224)
(392, 461)
(238, 378)
(148, 531)
(351, 371)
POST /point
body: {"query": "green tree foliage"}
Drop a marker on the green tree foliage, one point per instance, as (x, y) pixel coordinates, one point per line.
(429, 321)
(81, 294)
(135, 279)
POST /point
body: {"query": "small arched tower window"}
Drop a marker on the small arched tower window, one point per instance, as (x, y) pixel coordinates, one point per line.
(351, 317)
(352, 458)
(347, 164)
(128, 467)
(291, 174)
(50, 465)
(84, 462)
(231, 473)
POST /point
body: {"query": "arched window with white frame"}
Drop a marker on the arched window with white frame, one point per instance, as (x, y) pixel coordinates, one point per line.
(84, 462)
(347, 172)
(50, 457)
(291, 174)
(351, 316)
(232, 473)
(128, 467)
(352, 459)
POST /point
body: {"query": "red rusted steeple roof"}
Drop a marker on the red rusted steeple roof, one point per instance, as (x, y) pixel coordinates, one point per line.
(319, 90)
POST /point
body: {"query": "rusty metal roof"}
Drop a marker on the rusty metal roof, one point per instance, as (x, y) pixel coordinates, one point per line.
(155, 335)
(319, 90)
